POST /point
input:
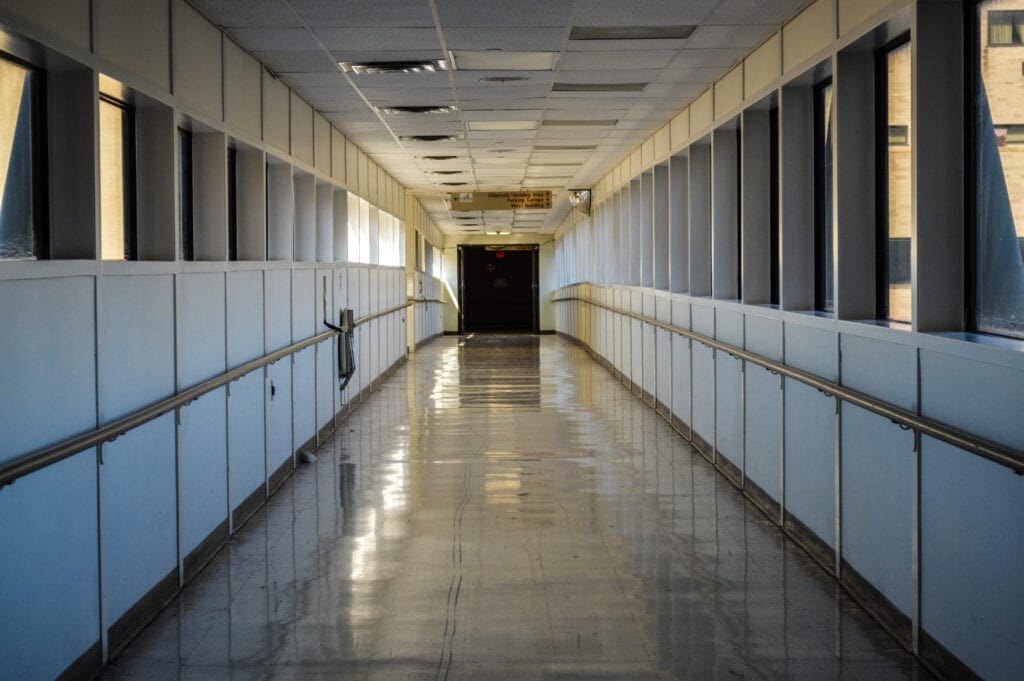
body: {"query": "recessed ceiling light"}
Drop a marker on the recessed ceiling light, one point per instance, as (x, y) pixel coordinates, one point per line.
(501, 126)
(502, 79)
(631, 32)
(565, 147)
(434, 109)
(403, 66)
(429, 138)
(495, 60)
(582, 122)
(598, 87)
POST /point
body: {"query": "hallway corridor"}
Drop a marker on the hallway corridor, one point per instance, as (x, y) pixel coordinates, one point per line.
(503, 509)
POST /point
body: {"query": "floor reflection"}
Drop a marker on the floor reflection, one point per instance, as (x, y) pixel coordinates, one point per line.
(503, 509)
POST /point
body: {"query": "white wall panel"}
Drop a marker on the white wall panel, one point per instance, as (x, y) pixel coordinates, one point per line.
(301, 129)
(197, 60)
(242, 90)
(810, 31)
(276, 125)
(66, 19)
(277, 309)
(135, 36)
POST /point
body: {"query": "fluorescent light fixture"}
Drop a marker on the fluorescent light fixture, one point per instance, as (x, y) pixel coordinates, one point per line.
(565, 147)
(498, 80)
(678, 32)
(501, 126)
(581, 122)
(499, 60)
(403, 66)
(598, 87)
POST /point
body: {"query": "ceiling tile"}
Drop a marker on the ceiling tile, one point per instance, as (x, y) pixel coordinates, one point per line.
(458, 13)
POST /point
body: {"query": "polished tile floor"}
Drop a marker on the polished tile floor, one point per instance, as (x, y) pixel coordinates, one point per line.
(503, 509)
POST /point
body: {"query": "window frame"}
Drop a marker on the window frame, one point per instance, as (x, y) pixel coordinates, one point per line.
(40, 158)
(186, 199)
(973, 43)
(882, 127)
(820, 246)
(232, 161)
(774, 242)
(128, 161)
(988, 36)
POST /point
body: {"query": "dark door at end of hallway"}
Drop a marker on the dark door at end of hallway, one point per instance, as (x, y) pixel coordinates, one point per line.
(498, 288)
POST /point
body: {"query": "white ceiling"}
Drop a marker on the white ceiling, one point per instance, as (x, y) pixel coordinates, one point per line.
(303, 41)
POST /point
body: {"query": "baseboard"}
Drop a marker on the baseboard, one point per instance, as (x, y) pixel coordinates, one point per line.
(730, 470)
(816, 547)
(874, 601)
(761, 499)
(130, 624)
(202, 554)
(702, 446)
(944, 663)
(249, 505)
(931, 653)
(87, 666)
(280, 475)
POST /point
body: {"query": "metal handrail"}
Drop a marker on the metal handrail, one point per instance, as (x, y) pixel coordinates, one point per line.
(995, 452)
(24, 465)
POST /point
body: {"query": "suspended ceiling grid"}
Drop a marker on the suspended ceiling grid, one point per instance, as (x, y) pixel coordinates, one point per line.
(552, 139)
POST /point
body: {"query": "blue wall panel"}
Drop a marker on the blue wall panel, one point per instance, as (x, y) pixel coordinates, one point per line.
(763, 419)
(49, 569)
(246, 456)
(878, 503)
(139, 514)
(43, 364)
(810, 424)
(203, 476)
(972, 558)
(728, 408)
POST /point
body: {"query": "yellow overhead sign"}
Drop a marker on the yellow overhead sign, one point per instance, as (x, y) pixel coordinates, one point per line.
(501, 200)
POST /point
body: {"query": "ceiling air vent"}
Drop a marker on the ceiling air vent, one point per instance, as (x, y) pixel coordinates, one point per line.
(454, 184)
(436, 109)
(631, 32)
(404, 66)
(446, 172)
(439, 158)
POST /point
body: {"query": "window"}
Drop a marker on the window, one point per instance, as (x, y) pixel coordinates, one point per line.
(824, 265)
(117, 180)
(186, 237)
(232, 204)
(996, 280)
(895, 199)
(22, 163)
(773, 204)
(1005, 27)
